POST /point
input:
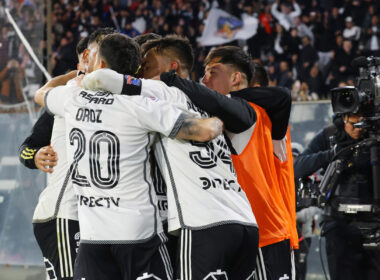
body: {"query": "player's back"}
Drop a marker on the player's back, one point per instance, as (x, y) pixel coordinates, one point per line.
(201, 182)
(108, 142)
(57, 200)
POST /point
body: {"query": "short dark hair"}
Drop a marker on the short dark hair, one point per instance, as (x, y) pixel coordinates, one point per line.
(99, 34)
(143, 38)
(260, 75)
(175, 45)
(235, 56)
(82, 45)
(121, 53)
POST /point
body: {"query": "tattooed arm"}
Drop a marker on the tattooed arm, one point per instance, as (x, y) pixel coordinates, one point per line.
(201, 130)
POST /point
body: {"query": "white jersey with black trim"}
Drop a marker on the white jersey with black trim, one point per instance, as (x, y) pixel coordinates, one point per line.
(108, 141)
(58, 199)
(202, 186)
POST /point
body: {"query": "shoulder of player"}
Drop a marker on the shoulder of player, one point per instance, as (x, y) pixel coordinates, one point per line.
(149, 84)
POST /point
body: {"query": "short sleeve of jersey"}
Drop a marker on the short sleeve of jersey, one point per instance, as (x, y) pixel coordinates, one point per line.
(56, 98)
(159, 115)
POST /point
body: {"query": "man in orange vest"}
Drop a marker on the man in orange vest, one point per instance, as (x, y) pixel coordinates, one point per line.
(285, 170)
(255, 155)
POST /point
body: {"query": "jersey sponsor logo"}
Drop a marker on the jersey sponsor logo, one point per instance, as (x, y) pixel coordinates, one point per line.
(88, 115)
(104, 98)
(217, 275)
(218, 183)
(92, 201)
(147, 276)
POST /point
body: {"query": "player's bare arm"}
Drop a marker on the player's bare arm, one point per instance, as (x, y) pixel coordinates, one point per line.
(201, 130)
(39, 97)
(46, 159)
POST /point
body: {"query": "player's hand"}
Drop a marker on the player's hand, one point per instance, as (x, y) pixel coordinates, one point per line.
(78, 80)
(46, 159)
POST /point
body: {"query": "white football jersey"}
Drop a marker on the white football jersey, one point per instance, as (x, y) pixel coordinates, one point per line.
(58, 199)
(108, 141)
(202, 186)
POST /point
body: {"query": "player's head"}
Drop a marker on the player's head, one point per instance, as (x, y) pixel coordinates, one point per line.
(81, 47)
(142, 39)
(260, 76)
(94, 40)
(168, 53)
(227, 68)
(119, 53)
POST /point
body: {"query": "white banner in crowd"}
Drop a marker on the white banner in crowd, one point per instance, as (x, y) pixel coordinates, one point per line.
(221, 28)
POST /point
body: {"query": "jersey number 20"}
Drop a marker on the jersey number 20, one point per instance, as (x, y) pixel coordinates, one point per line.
(101, 136)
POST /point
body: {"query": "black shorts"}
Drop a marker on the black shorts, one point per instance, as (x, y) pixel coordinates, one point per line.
(171, 244)
(221, 252)
(149, 261)
(58, 240)
(275, 262)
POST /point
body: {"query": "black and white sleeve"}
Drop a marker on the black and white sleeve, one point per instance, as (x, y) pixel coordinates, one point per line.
(236, 114)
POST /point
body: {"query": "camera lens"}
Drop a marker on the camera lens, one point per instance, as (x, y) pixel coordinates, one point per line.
(346, 100)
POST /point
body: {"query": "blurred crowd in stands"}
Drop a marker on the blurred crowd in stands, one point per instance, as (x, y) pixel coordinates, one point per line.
(306, 45)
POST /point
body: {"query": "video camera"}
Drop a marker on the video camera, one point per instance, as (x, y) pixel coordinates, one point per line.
(364, 99)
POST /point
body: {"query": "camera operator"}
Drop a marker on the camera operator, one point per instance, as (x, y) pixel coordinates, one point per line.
(346, 256)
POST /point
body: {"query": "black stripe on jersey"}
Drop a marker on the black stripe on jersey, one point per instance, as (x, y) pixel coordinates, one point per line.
(149, 185)
(158, 180)
(172, 182)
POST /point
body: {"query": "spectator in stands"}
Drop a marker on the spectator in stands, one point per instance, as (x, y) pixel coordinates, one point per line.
(285, 76)
(315, 81)
(336, 21)
(308, 57)
(372, 37)
(341, 66)
(65, 59)
(286, 16)
(303, 28)
(351, 32)
(11, 77)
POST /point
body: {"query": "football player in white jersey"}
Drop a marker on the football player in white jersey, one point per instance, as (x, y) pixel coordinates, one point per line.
(207, 207)
(55, 219)
(108, 141)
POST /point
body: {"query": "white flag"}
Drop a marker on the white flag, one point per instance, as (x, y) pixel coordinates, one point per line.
(221, 28)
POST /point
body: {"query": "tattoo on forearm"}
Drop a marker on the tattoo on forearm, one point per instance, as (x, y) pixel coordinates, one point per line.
(205, 129)
(190, 127)
(217, 124)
